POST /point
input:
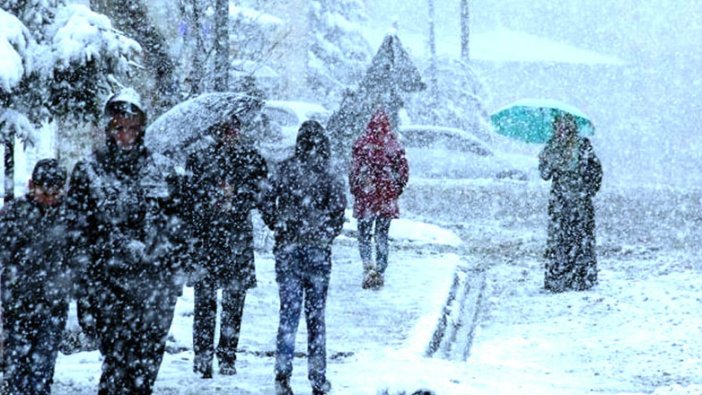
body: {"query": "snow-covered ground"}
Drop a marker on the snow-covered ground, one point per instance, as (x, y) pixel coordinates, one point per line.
(635, 333)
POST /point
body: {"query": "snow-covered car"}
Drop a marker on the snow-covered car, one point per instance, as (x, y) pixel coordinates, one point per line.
(443, 152)
(281, 121)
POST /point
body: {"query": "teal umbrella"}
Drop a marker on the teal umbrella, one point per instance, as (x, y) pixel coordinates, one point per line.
(531, 120)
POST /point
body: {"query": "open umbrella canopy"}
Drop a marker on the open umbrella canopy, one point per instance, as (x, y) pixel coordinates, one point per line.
(531, 120)
(185, 127)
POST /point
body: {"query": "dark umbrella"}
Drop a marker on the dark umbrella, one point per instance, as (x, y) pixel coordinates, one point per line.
(185, 127)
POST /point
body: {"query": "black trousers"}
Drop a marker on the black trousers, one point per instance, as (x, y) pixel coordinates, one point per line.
(205, 319)
(31, 341)
(132, 338)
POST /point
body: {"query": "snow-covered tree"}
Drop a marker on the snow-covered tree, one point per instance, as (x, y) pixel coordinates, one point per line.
(156, 82)
(252, 36)
(16, 45)
(339, 53)
(63, 60)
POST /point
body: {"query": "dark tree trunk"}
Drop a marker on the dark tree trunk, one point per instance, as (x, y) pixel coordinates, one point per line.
(221, 45)
(9, 167)
(197, 73)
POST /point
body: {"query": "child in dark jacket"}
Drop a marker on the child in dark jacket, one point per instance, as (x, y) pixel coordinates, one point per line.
(35, 281)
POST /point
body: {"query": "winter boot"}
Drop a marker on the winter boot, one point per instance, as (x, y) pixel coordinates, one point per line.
(368, 279)
(379, 281)
(203, 369)
(322, 389)
(373, 280)
(367, 267)
(227, 368)
(282, 385)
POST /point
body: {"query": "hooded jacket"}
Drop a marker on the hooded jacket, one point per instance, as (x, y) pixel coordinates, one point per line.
(379, 170)
(305, 201)
(116, 203)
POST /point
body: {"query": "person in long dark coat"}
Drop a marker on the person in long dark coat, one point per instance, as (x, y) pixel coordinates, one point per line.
(224, 186)
(304, 206)
(569, 161)
(379, 174)
(116, 203)
(36, 281)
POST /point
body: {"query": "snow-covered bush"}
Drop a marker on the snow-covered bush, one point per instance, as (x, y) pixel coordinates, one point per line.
(59, 62)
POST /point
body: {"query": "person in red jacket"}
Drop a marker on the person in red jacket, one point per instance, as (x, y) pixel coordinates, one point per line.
(379, 173)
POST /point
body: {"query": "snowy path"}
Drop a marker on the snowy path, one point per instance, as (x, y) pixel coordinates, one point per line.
(362, 326)
(635, 333)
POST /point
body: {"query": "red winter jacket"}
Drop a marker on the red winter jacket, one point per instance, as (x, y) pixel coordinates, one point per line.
(379, 170)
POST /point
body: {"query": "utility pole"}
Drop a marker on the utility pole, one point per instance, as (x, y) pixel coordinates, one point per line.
(465, 30)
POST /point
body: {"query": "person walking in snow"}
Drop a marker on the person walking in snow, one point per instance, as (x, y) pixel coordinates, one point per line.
(36, 281)
(116, 203)
(304, 205)
(379, 173)
(569, 161)
(224, 185)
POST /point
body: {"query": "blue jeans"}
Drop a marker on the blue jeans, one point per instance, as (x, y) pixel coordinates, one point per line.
(302, 272)
(365, 234)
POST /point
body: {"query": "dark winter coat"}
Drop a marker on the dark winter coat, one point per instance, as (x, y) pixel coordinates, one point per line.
(36, 277)
(305, 201)
(379, 171)
(224, 186)
(571, 260)
(36, 284)
(116, 203)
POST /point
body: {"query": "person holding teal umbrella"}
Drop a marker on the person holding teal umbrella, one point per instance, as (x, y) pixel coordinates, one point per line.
(531, 120)
(569, 161)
